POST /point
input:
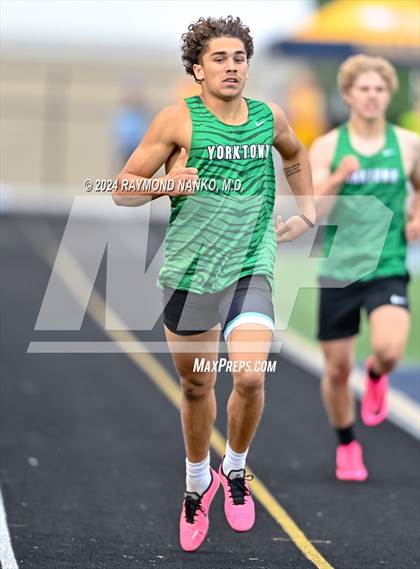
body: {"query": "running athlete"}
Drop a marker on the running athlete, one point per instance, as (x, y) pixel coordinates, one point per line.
(220, 250)
(366, 157)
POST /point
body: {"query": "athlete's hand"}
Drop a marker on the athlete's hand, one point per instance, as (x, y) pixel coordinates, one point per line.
(290, 229)
(412, 229)
(180, 173)
(347, 166)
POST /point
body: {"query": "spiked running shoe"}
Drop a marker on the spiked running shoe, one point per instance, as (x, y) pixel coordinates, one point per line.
(194, 521)
(349, 463)
(239, 505)
(375, 401)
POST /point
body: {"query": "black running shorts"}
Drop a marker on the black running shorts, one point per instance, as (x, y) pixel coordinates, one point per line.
(339, 307)
(249, 300)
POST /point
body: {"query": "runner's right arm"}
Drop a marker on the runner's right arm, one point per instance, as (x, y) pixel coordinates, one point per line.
(327, 183)
(158, 144)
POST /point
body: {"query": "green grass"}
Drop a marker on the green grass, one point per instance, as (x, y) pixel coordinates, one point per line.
(291, 272)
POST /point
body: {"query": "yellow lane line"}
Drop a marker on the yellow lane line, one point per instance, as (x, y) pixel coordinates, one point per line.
(74, 278)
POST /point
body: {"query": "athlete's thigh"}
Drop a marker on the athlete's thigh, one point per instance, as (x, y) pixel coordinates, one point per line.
(247, 317)
(339, 354)
(247, 344)
(188, 313)
(189, 351)
(389, 327)
(387, 306)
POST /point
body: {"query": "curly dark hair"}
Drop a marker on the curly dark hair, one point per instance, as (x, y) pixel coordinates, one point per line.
(194, 42)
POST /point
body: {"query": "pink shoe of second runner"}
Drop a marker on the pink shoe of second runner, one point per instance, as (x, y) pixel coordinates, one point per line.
(194, 521)
(239, 505)
(375, 400)
(349, 465)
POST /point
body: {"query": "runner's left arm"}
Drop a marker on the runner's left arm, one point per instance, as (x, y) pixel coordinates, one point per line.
(298, 173)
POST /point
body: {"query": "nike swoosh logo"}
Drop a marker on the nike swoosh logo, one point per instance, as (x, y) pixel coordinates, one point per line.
(259, 123)
(388, 152)
(395, 299)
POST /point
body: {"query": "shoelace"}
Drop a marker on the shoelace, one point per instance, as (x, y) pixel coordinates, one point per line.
(191, 508)
(238, 489)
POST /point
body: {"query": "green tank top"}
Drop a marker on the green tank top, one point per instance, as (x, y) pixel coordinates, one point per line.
(363, 239)
(225, 230)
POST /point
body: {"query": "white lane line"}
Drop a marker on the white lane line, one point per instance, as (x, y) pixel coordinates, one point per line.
(404, 412)
(76, 280)
(7, 556)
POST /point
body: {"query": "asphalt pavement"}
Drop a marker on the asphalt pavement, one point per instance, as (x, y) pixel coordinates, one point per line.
(92, 473)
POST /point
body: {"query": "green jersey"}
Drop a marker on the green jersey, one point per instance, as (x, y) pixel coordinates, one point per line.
(225, 230)
(364, 239)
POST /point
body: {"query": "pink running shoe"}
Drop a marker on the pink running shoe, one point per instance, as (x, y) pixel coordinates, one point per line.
(194, 521)
(375, 401)
(239, 505)
(350, 462)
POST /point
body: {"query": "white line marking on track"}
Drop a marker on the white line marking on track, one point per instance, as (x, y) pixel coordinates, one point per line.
(7, 556)
(75, 279)
(404, 412)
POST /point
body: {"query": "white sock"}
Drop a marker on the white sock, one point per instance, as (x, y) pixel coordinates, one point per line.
(198, 477)
(233, 460)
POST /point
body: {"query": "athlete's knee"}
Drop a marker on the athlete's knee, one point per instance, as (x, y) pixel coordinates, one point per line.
(388, 356)
(196, 385)
(248, 383)
(338, 371)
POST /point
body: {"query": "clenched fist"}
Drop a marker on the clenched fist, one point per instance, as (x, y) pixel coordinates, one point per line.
(180, 173)
(348, 165)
